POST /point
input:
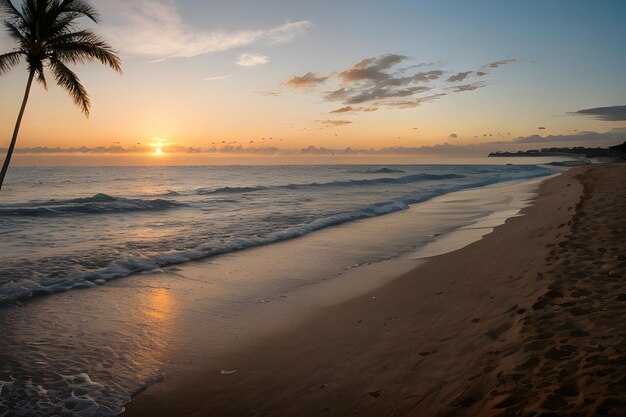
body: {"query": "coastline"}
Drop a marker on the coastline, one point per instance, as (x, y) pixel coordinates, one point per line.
(479, 331)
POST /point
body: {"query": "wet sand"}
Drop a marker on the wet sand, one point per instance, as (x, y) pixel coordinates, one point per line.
(530, 320)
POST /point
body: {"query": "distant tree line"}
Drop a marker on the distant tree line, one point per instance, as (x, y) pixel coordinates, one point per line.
(613, 151)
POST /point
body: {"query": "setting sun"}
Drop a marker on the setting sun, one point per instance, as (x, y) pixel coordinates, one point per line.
(158, 145)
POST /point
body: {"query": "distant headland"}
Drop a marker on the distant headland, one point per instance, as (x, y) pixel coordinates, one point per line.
(580, 151)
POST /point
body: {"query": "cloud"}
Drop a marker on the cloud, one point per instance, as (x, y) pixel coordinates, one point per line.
(244, 150)
(350, 109)
(371, 68)
(421, 65)
(501, 62)
(346, 109)
(307, 80)
(250, 60)
(388, 82)
(267, 93)
(335, 123)
(466, 87)
(459, 77)
(397, 150)
(609, 114)
(454, 135)
(612, 137)
(380, 95)
(156, 28)
(145, 149)
(371, 81)
(410, 104)
(375, 80)
(222, 77)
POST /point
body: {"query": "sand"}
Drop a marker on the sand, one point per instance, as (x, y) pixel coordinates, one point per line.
(528, 321)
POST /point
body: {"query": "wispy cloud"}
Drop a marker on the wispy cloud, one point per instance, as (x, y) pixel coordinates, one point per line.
(501, 62)
(267, 93)
(466, 87)
(350, 109)
(347, 109)
(307, 80)
(334, 123)
(459, 76)
(156, 28)
(610, 113)
(250, 60)
(221, 77)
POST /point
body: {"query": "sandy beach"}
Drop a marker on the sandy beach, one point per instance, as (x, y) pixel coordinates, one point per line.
(527, 321)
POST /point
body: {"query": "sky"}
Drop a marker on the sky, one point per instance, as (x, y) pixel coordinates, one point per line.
(290, 81)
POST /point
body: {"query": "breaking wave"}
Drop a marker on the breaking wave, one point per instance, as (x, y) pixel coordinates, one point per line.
(97, 204)
(349, 183)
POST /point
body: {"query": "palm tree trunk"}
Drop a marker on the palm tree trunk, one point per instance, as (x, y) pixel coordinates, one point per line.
(7, 159)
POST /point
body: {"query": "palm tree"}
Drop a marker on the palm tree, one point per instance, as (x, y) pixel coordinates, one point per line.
(47, 35)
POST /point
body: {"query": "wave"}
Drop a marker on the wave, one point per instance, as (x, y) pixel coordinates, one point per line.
(347, 183)
(25, 289)
(230, 190)
(97, 204)
(384, 170)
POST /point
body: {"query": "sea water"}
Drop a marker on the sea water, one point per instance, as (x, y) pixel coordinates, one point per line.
(65, 228)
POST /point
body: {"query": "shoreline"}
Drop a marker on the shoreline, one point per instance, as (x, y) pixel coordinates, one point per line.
(430, 342)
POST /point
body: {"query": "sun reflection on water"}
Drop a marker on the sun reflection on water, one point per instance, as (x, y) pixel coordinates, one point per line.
(158, 305)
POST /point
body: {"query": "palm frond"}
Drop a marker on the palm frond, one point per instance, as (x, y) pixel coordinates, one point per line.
(70, 82)
(85, 47)
(16, 32)
(9, 60)
(8, 8)
(29, 11)
(72, 36)
(60, 26)
(80, 7)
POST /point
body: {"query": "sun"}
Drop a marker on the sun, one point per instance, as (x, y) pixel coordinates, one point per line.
(158, 144)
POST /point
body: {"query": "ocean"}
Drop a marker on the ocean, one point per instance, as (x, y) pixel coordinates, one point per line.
(66, 229)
